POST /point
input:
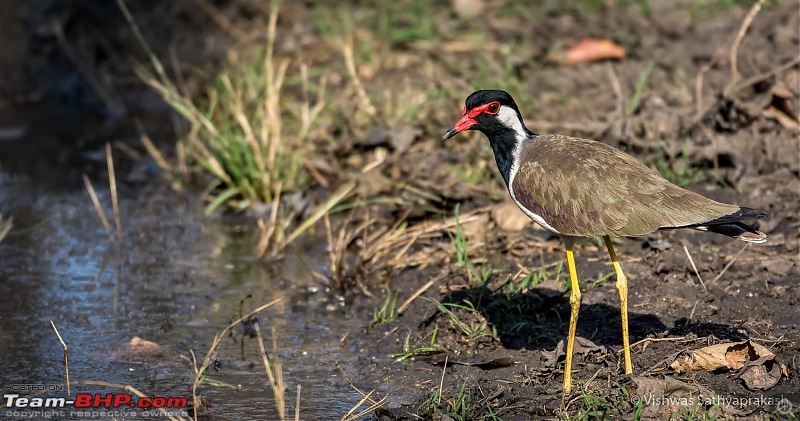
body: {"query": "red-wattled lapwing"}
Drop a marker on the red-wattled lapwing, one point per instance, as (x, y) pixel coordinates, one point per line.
(581, 188)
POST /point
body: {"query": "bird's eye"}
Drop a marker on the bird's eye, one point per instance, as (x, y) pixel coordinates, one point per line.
(493, 108)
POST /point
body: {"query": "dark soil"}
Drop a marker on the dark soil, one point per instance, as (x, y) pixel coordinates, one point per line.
(732, 143)
(755, 298)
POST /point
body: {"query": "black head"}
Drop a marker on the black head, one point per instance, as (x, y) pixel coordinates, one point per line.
(497, 116)
(491, 112)
(478, 98)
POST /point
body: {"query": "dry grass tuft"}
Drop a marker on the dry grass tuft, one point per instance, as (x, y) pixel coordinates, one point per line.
(352, 415)
(276, 376)
(199, 372)
(238, 132)
(251, 139)
(112, 187)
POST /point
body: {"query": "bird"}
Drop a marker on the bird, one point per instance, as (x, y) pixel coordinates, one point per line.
(580, 188)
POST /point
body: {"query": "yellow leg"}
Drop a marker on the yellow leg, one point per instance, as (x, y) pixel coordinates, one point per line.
(575, 305)
(622, 287)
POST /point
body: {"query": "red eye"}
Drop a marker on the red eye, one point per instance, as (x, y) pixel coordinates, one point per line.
(493, 108)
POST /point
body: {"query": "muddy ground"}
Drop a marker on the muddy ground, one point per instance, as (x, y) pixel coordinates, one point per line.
(726, 134)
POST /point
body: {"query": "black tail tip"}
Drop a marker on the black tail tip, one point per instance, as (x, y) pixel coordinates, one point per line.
(737, 230)
(750, 213)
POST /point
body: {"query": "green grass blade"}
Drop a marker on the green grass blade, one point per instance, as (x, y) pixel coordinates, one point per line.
(640, 85)
(221, 198)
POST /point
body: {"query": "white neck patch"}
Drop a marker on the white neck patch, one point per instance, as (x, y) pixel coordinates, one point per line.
(509, 118)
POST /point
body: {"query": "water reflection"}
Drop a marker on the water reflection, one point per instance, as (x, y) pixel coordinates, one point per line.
(177, 280)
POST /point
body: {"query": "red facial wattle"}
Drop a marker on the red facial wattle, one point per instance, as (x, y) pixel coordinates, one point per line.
(467, 119)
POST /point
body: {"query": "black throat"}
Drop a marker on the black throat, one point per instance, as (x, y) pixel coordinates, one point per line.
(504, 144)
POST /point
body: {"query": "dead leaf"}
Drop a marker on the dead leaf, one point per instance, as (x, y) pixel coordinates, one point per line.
(782, 108)
(508, 217)
(501, 362)
(583, 348)
(783, 100)
(589, 50)
(760, 369)
(783, 119)
(479, 362)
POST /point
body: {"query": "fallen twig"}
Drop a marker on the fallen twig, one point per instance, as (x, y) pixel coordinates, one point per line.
(100, 212)
(421, 291)
(112, 187)
(441, 383)
(5, 227)
(347, 51)
(695, 268)
(275, 379)
(349, 416)
(66, 355)
(748, 20)
(746, 245)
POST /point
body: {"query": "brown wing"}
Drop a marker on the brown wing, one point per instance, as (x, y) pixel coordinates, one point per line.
(588, 189)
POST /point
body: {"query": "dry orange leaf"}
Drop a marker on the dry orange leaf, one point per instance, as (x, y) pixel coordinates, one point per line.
(757, 365)
(590, 50)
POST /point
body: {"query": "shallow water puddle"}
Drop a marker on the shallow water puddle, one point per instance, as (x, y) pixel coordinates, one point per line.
(177, 280)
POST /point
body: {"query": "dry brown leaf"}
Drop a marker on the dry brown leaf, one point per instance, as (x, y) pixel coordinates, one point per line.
(477, 361)
(782, 97)
(727, 355)
(759, 367)
(782, 108)
(589, 50)
(736, 357)
(583, 348)
(783, 119)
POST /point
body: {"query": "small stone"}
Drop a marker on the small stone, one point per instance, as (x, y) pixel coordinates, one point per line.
(509, 218)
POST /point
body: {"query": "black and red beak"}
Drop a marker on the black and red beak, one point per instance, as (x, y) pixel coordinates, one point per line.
(465, 123)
